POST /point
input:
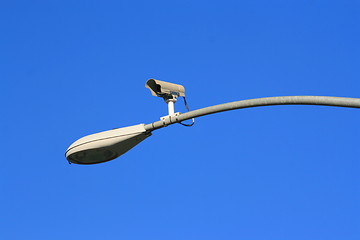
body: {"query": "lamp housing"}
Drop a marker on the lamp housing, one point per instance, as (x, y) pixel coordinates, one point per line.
(106, 146)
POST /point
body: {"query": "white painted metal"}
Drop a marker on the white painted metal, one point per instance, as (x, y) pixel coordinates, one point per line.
(105, 146)
(171, 107)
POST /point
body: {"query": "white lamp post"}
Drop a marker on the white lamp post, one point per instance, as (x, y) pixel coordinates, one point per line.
(108, 145)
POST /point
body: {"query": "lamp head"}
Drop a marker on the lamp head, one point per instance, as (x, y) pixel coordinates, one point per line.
(106, 146)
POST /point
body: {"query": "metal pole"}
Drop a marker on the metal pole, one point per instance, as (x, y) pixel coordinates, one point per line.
(258, 102)
(171, 107)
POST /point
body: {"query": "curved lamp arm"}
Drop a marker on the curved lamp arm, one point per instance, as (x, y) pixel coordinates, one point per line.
(108, 145)
(258, 102)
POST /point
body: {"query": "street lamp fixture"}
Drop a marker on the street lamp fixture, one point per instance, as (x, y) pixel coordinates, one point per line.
(108, 145)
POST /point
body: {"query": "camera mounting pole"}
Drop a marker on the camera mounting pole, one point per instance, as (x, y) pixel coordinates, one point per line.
(171, 104)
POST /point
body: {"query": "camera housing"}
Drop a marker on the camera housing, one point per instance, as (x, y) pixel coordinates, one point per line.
(168, 91)
(165, 90)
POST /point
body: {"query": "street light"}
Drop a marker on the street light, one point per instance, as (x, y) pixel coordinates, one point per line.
(108, 145)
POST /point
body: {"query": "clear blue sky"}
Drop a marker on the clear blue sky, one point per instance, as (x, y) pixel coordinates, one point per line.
(73, 68)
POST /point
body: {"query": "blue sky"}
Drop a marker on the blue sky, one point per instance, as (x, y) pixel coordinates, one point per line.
(73, 68)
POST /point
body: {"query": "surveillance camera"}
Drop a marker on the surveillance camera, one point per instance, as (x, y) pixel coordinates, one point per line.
(165, 89)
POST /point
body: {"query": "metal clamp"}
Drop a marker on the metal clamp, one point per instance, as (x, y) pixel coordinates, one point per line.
(170, 119)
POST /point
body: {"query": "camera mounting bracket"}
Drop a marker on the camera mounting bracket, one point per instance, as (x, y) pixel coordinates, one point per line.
(170, 119)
